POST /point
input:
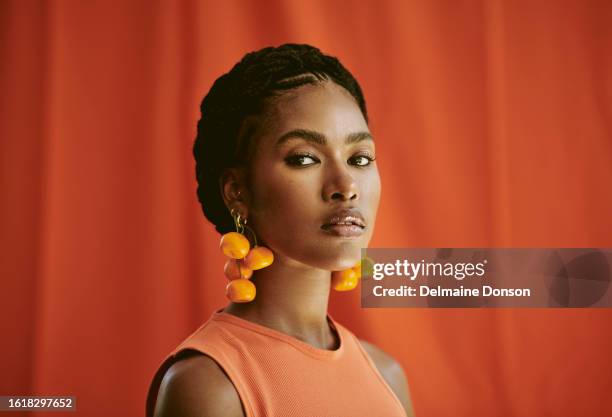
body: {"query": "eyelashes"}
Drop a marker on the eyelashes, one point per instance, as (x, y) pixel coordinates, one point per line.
(306, 159)
(301, 159)
(365, 160)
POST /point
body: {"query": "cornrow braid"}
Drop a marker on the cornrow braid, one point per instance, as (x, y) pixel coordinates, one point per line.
(242, 92)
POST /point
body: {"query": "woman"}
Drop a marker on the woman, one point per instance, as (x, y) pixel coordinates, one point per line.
(284, 155)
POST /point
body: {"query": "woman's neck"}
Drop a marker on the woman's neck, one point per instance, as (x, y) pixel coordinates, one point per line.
(292, 300)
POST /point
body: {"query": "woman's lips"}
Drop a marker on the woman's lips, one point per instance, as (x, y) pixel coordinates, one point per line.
(343, 230)
(347, 222)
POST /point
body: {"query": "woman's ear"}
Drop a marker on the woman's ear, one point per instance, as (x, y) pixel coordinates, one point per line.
(233, 190)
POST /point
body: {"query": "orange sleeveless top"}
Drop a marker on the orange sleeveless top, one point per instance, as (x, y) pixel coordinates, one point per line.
(277, 375)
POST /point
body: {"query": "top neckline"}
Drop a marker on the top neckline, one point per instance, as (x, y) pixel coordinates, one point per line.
(299, 344)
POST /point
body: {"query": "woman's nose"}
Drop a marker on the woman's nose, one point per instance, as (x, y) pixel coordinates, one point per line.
(340, 185)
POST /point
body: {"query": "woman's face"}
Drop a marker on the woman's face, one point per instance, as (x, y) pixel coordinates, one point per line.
(313, 186)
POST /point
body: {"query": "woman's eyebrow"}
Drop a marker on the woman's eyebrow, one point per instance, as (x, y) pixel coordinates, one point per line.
(319, 138)
(358, 137)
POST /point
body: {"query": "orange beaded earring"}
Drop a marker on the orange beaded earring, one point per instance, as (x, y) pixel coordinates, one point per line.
(348, 279)
(243, 260)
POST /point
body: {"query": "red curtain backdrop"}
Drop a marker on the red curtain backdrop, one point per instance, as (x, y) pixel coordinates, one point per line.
(493, 122)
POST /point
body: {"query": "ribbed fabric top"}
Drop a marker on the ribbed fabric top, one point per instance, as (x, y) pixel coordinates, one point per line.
(278, 375)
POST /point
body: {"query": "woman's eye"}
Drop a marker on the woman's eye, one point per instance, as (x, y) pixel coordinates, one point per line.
(301, 160)
(361, 160)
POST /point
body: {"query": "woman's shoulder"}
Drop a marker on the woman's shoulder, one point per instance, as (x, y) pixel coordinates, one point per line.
(384, 362)
(392, 372)
(196, 385)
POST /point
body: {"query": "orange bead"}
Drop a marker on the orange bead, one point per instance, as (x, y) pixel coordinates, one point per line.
(235, 269)
(235, 245)
(344, 280)
(259, 257)
(357, 269)
(240, 290)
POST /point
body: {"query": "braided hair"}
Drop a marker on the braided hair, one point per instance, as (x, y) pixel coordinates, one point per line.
(223, 136)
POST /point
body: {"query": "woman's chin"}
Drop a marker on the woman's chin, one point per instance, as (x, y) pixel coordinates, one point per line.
(327, 257)
(344, 261)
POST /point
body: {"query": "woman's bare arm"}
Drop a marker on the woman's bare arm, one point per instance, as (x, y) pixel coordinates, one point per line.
(197, 387)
